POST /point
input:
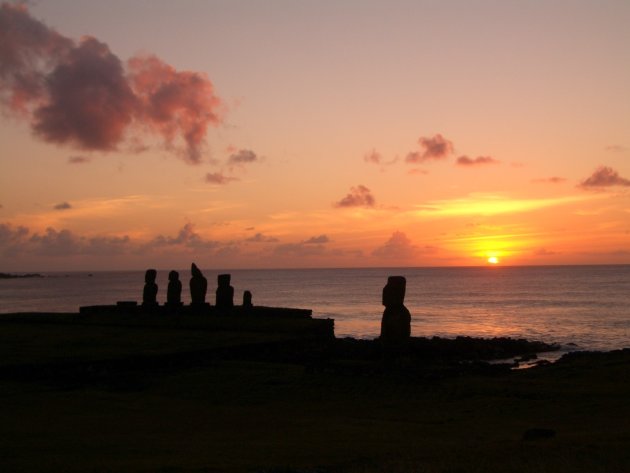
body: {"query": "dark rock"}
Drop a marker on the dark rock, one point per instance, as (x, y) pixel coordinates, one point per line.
(198, 286)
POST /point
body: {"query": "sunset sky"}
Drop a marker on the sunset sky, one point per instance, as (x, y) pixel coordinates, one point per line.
(268, 134)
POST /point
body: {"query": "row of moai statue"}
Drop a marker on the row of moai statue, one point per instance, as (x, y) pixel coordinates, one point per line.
(396, 321)
(198, 289)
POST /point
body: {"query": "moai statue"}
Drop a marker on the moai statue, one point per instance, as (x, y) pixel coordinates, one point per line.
(225, 292)
(174, 292)
(396, 322)
(198, 286)
(149, 294)
(247, 300)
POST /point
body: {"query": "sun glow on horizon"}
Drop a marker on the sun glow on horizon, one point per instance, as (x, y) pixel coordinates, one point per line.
(493, 260)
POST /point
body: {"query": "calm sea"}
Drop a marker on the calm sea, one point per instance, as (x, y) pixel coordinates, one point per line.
(580, 307)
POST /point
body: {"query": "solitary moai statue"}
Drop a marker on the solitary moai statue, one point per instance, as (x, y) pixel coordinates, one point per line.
(174, 292)
(149, 294)
(198, 286)
(225, 292)
(247, 300)
(396, 322)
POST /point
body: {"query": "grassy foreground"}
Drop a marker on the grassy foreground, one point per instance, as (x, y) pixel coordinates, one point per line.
(91, 398)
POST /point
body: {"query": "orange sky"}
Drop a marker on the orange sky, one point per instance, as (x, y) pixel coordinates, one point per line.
(307, 134)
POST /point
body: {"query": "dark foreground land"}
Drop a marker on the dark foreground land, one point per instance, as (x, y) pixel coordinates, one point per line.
(135, 395)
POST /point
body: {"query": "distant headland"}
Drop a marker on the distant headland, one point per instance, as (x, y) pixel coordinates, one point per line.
(20, 276)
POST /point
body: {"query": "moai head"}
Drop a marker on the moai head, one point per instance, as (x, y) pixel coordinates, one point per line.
(247, 299)
(394, 291)
(195, 272)
(198, 285)
(149, 276)
(223, 280)
(173, 276)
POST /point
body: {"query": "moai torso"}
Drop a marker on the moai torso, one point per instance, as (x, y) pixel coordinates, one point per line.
(149, 293)
(174, 291)
(198, 286)
(396, 321)
(225, 292)
(247, 299)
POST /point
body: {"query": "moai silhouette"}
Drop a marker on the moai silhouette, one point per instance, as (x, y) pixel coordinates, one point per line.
(396, 322)
(174, 291)
(247, 300)
(225, 292)
(149, 293)
(198, 286)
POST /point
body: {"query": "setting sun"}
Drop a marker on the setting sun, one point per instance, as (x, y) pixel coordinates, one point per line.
(493, 260)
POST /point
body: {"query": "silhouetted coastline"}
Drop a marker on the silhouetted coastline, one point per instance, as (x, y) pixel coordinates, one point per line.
(19, 276)
(299, 402)
(187, 385)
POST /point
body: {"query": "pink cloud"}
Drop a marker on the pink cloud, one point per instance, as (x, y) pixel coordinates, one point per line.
(174, 104)
(373, 157)
(243, 156)
(83, 95)
(219, 179)
(478, 161)
(604, 176)
(359, 196)
(431, 148)
(88, 102)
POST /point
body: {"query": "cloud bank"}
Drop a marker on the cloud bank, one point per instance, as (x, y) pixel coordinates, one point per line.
(313, 246)
(82, 95)
(399, 246)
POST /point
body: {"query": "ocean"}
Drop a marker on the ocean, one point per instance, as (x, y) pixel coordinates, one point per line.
(578, 307)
